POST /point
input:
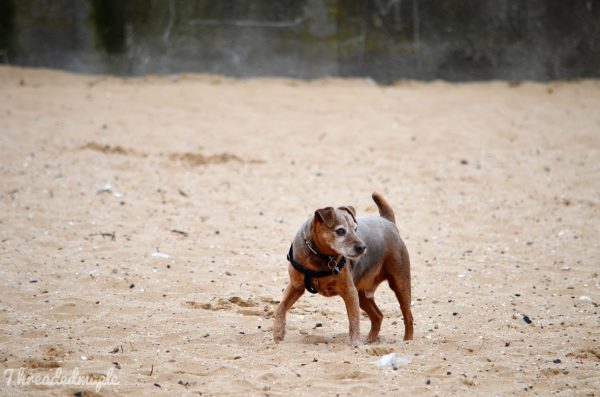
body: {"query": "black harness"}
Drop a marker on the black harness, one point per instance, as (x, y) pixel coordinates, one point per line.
(310, 274)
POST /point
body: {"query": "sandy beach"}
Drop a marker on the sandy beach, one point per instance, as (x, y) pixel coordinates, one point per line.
(144, 226)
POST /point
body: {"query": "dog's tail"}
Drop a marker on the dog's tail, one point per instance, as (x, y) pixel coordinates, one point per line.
(385, 210)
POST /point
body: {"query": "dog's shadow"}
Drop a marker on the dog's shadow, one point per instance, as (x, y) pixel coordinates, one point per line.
(340, 339)
(318, 339)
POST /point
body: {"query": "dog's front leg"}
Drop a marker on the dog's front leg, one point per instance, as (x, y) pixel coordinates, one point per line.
(290, 296)
(350, 296)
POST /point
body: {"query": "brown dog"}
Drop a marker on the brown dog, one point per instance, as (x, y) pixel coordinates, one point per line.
(375, 253)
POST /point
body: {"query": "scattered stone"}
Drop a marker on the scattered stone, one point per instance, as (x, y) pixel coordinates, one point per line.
(469, 382)
(180, 232)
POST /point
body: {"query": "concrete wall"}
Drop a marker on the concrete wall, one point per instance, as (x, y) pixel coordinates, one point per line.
(383, 39)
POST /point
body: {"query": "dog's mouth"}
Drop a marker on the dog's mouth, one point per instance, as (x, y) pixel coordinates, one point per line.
(353, 251)
(354, 255)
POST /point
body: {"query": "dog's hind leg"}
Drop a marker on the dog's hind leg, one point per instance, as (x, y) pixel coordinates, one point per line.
(400, 284)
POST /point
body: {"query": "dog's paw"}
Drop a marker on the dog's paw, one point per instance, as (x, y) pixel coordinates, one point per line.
(373, 339)
(278, 332)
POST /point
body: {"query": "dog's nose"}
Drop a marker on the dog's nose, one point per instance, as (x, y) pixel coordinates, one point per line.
(360, 248)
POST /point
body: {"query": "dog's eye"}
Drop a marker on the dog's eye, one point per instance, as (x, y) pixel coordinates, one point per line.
(340, 232)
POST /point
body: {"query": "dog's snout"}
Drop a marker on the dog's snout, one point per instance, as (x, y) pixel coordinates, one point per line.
(360, 248)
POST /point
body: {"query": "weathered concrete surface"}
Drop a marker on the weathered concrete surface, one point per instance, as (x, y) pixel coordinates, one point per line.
(383, 39)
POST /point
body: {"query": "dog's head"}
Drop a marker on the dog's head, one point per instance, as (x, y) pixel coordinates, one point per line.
(336, 228)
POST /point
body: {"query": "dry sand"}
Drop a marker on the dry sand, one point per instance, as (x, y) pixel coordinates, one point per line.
(496, 189)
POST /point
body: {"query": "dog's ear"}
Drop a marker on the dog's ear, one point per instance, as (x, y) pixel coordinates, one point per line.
(349, 209)
(326, 216)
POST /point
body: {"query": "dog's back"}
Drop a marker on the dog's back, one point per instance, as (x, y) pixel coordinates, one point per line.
(382, 239)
